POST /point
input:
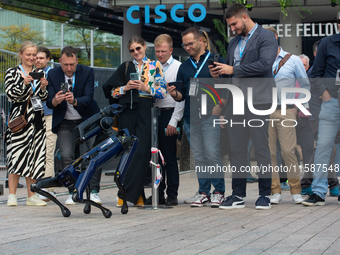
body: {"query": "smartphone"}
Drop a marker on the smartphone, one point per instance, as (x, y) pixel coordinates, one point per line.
(134, 77)
(176, 83)
(64, 87)
(36, 76)
(177, 129)
(211, 62)
(217, 58)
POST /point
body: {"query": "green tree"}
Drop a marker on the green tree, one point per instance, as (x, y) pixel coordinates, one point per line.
(103, 47)
(15, 35)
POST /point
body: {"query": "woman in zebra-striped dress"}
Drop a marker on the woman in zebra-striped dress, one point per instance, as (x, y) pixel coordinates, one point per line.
(26, 149)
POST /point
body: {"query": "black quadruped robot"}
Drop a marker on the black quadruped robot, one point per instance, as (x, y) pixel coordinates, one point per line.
(109, 143)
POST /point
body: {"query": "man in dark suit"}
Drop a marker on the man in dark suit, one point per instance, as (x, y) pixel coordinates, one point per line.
(72, 108)
(250, 57)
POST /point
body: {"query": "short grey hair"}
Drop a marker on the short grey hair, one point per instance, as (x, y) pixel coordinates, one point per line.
(303, 56)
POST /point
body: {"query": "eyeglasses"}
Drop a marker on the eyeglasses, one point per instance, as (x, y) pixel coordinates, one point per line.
(70, 82)
(137, 49)
(190, 44)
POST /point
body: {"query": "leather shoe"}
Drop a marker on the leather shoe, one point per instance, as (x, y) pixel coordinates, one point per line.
(148, 201)
(171, 201)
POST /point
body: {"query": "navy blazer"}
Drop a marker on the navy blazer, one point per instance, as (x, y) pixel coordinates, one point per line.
(256, 62)
(83, 92)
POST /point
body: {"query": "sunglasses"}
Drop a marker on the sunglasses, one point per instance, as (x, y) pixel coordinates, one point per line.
(137, 49)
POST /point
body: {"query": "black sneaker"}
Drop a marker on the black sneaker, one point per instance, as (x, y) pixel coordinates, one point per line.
(339, 199)
(232, 202)
(314, 200)
(263, 203)
(171, 200)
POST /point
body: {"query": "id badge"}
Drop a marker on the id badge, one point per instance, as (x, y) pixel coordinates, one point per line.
(193, 88)
(37, 104)
(337, 78)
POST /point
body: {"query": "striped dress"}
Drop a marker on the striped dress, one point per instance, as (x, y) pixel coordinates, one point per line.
(26, 149)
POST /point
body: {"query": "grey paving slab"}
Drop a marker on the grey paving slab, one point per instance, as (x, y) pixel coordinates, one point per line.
(285, 229)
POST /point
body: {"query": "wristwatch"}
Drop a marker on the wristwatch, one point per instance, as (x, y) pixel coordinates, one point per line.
(149, 90)
(74, 101)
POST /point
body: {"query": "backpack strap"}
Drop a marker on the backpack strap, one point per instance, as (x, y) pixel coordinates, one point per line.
(282, 62)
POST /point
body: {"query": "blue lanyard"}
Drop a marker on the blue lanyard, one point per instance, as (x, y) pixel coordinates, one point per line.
(239, 41)
(199, 70)
(48, 69)
(34, 81)
(168, 65)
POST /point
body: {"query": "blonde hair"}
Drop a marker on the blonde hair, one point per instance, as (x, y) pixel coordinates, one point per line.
(23, 47)
(163, 38)
(205, 38)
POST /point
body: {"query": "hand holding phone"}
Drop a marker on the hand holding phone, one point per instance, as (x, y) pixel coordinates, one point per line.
(134, 77)
(211, 63)
(176, 83)
(36, 76)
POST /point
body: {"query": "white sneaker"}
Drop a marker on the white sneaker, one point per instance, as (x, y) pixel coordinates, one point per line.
(12, 200)
(95, 198)
(276, 198)
(69, 201)
(43, 198)
(35, 200)
(297, 199)
(192, 199)
(216, 199)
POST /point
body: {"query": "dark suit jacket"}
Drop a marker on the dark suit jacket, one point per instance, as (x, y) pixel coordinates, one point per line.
(83, 92)
(255, 69)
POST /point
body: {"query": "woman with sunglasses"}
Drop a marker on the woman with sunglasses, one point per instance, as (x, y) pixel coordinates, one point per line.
(134, 85)
(26, 148)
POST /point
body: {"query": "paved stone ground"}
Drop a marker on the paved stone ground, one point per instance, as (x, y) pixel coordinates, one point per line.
(285, 229)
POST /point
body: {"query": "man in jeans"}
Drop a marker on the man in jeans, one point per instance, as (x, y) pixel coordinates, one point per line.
(72, 108)
(326, 79)
(204, 139)
(250, 57)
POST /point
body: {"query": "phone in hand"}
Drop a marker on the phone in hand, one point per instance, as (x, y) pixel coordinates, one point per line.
(36, 76)
(211, 62)
(64, 87)
(176, 83)
(134, 77)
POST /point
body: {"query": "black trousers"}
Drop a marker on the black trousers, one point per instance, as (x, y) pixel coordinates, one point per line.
(138, 122)
(239, 135)
(167, 145)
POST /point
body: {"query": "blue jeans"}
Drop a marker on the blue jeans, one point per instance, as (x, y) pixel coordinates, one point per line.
(204, 141)
(329, 123)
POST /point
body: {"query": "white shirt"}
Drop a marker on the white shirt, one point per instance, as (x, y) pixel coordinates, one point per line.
(171, 68)
(71, 113)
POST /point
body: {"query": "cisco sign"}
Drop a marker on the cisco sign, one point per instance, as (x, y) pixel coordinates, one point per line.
(162, 16)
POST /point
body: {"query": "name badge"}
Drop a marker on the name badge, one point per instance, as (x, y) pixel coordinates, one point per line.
(37, 104)
(193, 87)
(337, 78)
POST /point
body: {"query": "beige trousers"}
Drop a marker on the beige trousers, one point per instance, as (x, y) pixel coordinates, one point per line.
(287, 140)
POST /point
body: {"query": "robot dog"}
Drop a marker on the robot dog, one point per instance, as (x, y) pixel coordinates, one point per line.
(109, 143)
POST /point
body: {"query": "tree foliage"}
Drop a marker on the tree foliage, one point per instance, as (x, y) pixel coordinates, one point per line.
(104, 46)
(15, 35)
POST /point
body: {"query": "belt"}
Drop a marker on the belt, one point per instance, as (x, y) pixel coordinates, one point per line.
(167, 108)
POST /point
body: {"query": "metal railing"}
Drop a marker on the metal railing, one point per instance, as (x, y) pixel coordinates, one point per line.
(7, 60)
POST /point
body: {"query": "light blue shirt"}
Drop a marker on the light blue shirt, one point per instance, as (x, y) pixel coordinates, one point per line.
(291, 72)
